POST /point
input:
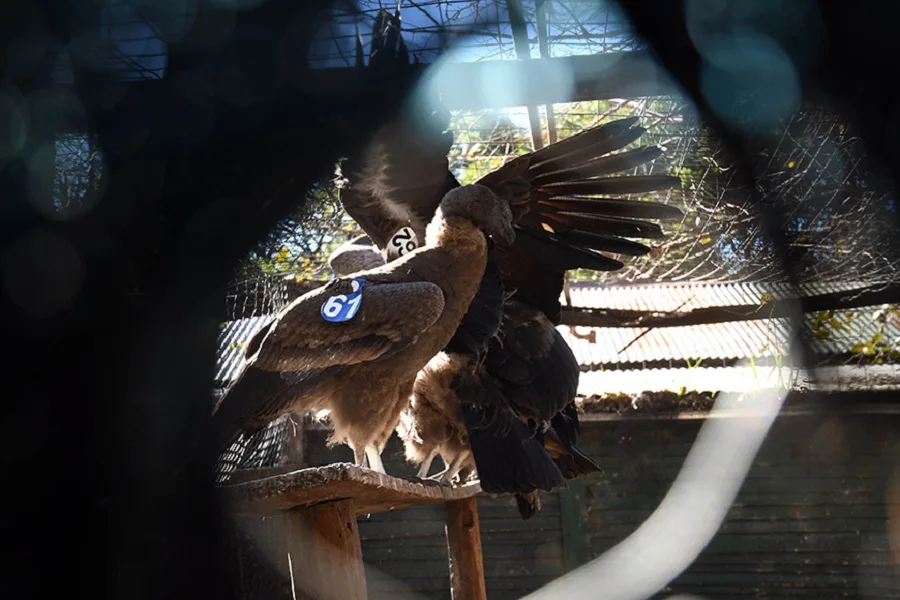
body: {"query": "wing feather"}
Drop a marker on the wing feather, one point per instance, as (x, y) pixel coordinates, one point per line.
(391, 315)
(572, 196)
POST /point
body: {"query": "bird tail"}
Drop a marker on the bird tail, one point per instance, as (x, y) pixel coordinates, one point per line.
(572, 462)
(528, 504)
(509, 458)
(233, 424)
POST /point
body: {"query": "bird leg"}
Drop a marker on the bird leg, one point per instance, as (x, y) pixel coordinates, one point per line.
(440, 473)
(454, 467)
(359, 459)
(374, 457)
(426, 465)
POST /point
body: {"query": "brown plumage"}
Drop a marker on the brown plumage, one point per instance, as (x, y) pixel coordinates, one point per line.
(362, 370)
(356, 255)
(507, 378)
(528, 377)
(432, 424)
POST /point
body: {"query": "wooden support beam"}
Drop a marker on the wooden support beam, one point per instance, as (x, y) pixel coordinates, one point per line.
(523, 52)
(462, 86)
(464, 550)
(574, 521)
(610, 317)
(324, 552)
(544, 48)
(592, 77)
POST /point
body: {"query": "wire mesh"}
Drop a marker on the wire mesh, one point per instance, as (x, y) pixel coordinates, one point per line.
(263, 449)
(818, 173)
(574, 27)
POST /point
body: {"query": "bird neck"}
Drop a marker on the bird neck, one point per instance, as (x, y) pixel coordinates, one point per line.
(455, 232)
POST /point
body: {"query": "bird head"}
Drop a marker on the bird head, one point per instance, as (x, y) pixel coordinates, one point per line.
(485, 209)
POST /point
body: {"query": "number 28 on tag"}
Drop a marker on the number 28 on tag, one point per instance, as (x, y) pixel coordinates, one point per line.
(402, 242)
(340, 308)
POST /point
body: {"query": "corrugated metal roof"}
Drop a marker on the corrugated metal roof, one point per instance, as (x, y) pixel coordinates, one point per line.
(230, 355)
(602, 347)
(607, 345)
(670, 296)
(596, 346)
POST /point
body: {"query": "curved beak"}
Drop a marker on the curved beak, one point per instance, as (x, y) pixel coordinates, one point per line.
(504, 235)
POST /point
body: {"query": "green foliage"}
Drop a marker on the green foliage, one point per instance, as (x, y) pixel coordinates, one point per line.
(301, 243)
(878, 348)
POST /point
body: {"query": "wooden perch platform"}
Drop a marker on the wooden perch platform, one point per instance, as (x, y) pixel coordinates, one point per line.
(371, 492)
(320, 506)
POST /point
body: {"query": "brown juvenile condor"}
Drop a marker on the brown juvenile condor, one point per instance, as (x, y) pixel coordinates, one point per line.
(398, 316)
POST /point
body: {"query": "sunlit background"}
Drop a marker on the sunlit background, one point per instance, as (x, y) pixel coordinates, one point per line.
(707, 493)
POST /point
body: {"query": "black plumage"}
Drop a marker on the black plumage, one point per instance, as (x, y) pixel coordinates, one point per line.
(514, 378)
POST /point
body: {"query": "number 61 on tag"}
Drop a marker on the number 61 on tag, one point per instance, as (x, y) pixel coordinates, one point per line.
(340, 308)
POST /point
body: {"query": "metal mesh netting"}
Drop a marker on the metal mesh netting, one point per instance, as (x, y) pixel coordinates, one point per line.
(131, 40)
(818, 173)
(832, 203)
(292, 259)
(569, 28)
(818, 176)
(265, 448)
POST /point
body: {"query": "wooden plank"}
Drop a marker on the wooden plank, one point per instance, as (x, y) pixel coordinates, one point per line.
(253, 474)
(464, 550)
(574, 520)
(371, 492)
(462, 86)
(324, 552)
(776, 309)
(523, 52)
(798, 403)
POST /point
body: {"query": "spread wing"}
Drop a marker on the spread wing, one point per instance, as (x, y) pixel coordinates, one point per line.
(299, 349)
(398, 179)
(390, 316)
(568, 200)
(401, 175)
(575, 202)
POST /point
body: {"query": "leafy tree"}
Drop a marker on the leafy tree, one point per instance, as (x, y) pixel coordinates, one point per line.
(300, 244)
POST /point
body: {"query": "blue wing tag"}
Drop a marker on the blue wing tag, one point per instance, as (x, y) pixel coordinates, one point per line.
(340, 308)
(401, 243)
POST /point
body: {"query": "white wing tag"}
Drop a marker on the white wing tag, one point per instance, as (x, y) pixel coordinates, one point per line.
(401, 243)
(340, 308)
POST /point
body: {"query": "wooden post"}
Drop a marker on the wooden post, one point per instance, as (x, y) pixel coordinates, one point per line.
(324, 552)
(574, 517)
(464, 549)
